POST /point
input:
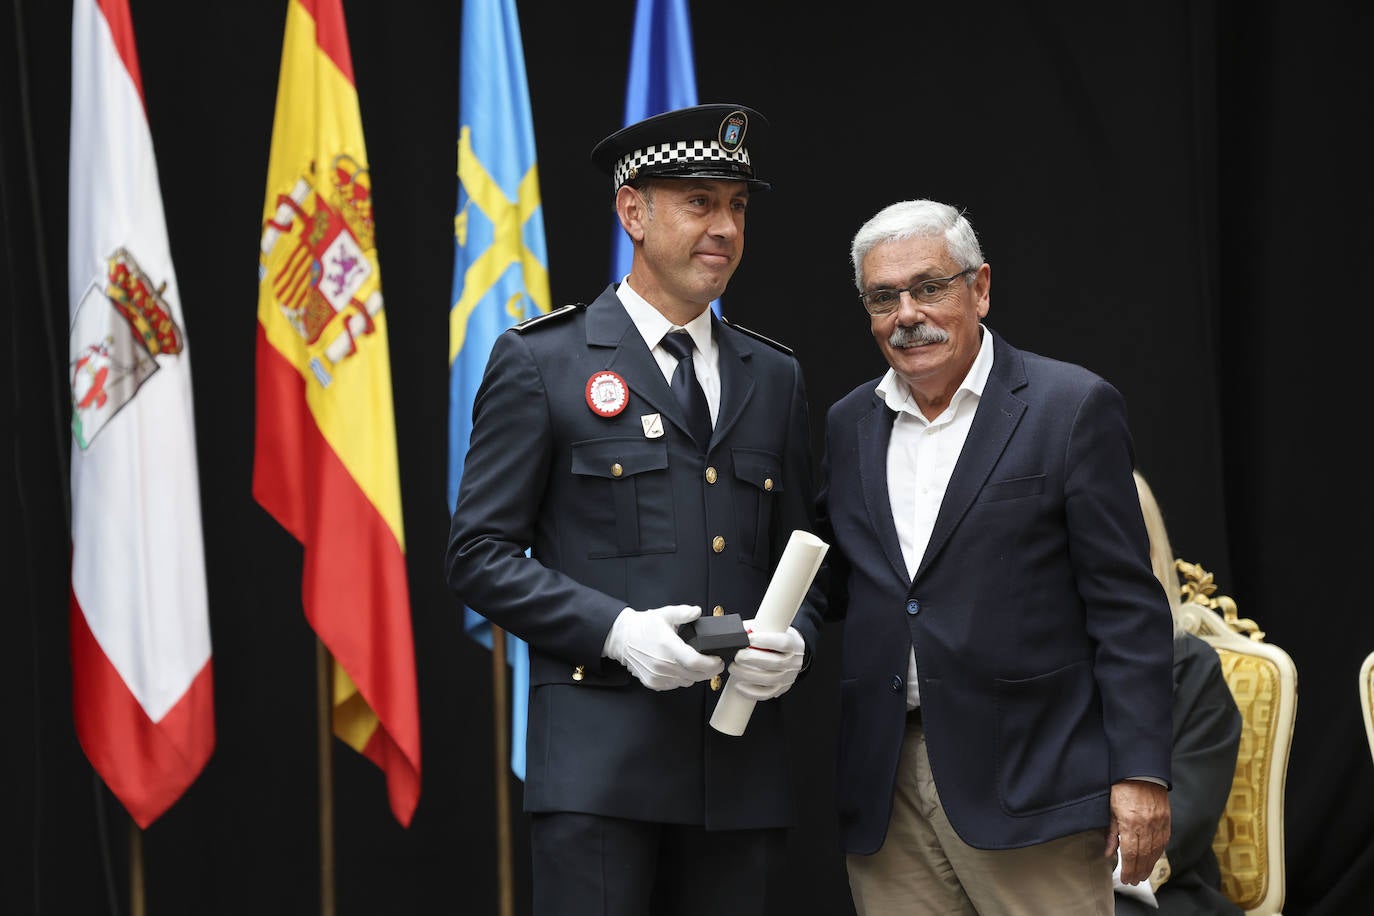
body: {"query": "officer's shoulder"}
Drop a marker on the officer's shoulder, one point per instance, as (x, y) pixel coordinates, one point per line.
(549, 318)
(749, 332)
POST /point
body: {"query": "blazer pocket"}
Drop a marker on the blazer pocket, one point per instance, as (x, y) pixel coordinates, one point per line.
(1014, 488)
(625, 507)
(1051, 748)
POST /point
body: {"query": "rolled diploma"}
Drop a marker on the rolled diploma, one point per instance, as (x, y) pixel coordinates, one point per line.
(783, 598)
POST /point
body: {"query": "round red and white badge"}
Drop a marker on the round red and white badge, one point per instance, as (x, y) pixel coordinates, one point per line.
(607, 394)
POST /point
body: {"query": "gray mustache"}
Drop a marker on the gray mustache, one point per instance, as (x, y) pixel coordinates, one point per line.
(916, 335)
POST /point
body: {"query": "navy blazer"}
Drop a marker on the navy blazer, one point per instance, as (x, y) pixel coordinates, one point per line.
(1042, 637)
(617, 514)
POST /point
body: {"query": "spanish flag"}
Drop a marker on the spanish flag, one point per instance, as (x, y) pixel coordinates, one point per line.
(142, 673)
(325, 453)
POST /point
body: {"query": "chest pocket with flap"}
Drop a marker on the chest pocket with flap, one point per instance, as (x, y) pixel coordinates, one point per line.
(627, 504)
(758, 476)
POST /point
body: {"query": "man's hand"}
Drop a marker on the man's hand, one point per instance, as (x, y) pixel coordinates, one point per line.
(646, 642)
(770, 664)
(1139, 826)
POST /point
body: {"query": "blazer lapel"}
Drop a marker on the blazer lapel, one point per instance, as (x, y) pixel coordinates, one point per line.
(874, 431)
(999, 412)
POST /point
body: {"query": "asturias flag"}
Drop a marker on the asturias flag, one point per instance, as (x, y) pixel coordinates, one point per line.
(325, 460)
(142, 690)
(500, 274)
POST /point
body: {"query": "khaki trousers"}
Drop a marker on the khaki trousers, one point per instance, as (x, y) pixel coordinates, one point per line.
(923, 866)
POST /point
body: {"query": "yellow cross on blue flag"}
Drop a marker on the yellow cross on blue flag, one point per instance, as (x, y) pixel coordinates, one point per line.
(500, 272)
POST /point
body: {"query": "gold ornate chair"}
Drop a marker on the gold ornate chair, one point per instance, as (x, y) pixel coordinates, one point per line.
(1367, 697)
(1264, 681)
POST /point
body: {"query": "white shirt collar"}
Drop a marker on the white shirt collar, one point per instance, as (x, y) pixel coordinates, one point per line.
(652, 325)
(898, 397)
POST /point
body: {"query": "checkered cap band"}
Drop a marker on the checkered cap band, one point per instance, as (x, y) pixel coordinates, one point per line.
(677, 152)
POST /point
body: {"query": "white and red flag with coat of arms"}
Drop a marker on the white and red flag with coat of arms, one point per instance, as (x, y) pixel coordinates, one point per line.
(142, 690)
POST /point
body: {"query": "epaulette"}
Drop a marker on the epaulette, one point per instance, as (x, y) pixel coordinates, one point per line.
(562, 312)
(757, 336)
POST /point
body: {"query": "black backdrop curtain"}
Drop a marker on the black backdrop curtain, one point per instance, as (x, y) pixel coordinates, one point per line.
(1173, 194)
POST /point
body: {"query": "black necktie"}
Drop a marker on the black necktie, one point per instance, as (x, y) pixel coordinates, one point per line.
(687, 389)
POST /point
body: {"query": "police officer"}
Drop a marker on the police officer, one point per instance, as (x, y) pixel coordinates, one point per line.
(654, 460)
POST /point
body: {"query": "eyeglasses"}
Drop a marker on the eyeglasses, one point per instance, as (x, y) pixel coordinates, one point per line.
(880, 302)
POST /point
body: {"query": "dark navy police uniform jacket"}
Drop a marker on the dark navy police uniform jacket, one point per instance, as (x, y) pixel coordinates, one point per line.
(616, 514)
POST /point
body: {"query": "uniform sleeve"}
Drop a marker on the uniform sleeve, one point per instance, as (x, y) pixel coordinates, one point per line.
(798, 508)
(504, 477)
(833, 578)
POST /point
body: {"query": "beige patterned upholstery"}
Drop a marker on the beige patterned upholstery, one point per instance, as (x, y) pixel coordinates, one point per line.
(1367, 697)
(1264, 681)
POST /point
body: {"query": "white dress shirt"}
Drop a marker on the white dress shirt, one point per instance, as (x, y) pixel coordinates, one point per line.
(920, 459)
(652, 326)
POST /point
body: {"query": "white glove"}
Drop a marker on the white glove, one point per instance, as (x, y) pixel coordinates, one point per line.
(769, 666)
(646, 642)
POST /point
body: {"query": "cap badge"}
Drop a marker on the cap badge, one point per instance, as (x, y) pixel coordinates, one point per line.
(731, 135)
(606, 394)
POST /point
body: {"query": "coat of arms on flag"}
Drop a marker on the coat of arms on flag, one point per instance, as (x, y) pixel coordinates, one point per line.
(121, 326)
(324, 270)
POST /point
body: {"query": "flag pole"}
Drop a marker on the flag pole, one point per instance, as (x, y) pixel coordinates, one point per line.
(497, 187)
(504, 873)
(325, 708)
(137, 900)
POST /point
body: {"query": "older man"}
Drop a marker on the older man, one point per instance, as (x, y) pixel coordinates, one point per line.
(1005, 717)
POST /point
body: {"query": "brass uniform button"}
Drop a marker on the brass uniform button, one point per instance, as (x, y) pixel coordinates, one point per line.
(579, 672)
(717, 611)
(718, 543)
(768, 483)
(710, 475)
(715, 682)
(617, 470)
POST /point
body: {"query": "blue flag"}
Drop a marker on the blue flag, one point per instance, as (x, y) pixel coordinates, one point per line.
(662, 78)
(500, 266)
